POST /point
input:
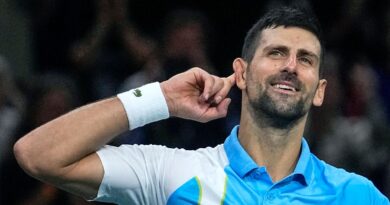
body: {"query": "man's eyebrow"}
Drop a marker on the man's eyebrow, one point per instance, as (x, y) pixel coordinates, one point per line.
(277, 47)
(285, 48)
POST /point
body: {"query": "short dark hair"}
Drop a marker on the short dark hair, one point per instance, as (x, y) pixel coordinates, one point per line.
(282, 16)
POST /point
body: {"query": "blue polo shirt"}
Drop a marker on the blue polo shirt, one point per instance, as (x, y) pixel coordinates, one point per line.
(225, 174)
(312, 182)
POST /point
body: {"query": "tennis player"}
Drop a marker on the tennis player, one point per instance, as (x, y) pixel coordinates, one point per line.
(265, 159)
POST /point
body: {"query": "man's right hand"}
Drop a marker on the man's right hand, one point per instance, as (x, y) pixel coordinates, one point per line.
(197, 95)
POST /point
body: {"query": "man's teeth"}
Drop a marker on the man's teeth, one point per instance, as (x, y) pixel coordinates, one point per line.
(285, 87)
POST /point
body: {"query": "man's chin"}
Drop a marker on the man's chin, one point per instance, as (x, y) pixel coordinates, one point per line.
(286, 113)
(279, 113)
(283, 119)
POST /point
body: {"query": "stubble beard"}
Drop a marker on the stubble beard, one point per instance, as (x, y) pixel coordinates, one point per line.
(278, 110)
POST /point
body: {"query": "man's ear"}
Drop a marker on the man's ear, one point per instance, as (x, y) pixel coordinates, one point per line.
(320, 93)
(240, 66)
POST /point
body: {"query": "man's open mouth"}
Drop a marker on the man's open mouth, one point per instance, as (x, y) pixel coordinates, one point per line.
(285, 86)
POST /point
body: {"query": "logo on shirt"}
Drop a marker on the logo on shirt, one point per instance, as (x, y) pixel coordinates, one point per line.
(137, 93)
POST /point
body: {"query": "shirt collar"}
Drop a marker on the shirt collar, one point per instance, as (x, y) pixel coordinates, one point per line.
(304, 166)
(239, 159)
(242, 163)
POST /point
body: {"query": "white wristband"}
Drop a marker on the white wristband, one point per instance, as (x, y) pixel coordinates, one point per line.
(144, 105)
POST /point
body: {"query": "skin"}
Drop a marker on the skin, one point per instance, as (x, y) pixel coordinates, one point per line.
(281, 50)
(68, 143)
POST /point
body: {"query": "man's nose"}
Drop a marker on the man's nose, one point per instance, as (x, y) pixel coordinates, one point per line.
(291, 64)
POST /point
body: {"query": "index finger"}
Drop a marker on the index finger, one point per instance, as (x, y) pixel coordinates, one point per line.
(231, 78)
(229, 82)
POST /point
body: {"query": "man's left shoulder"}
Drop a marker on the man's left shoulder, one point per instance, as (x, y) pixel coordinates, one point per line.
(363, 189)
(353, 185)
(344, 178)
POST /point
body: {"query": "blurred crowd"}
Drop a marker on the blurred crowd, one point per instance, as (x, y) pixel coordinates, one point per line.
(82, 51)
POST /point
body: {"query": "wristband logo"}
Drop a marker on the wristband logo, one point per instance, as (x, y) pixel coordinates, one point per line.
(137, 93)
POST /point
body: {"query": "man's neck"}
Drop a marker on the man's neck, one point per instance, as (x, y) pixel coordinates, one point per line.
(277, 149)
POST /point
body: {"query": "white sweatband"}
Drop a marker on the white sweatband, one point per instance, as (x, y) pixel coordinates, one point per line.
(144, 105)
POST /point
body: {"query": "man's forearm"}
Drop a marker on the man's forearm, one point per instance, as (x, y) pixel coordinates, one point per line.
(62, 152)
(58, 144)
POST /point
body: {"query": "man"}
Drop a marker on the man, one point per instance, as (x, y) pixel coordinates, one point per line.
(264, 160)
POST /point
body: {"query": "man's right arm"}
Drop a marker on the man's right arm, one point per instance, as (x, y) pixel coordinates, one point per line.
(63, 151)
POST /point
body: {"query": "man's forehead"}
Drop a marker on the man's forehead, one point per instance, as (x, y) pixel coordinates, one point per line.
(291, 37)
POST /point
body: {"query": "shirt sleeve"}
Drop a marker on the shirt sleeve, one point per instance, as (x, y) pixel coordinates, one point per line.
(132, 174)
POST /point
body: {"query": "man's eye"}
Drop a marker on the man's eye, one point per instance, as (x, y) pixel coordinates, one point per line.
(275, 53)
(306, 60)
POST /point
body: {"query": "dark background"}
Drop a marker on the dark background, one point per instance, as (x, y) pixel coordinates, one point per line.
(350, 131)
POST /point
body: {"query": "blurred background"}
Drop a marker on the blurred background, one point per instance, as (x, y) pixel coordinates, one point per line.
(56, 55)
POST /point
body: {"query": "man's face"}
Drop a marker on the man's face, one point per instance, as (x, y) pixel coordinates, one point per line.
(282, 80)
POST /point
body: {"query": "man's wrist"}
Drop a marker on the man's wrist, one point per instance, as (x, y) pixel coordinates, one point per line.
(167, 93)
(144, 105)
